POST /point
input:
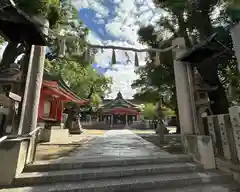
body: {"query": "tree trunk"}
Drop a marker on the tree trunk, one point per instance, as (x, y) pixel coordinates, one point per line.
(178, 130)
(220, 103)
(183, 28)
(201, 19)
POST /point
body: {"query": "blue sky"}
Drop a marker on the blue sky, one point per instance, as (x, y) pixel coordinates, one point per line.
(116, 22)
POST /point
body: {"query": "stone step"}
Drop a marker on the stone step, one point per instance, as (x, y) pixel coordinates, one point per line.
(165, 181)
(229, 187)
(35, 178)
(65, 164)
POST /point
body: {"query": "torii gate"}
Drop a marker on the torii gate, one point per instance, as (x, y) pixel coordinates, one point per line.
(31, 97)
(184, 79)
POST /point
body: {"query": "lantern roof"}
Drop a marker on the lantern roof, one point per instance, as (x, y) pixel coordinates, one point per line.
(17, 26)
(216, 44)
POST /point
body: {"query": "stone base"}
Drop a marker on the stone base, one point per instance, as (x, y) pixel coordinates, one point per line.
(228, 167)
(13, 155)
(45, 135)
(75, 131)
(53, 134)
(76, 128)
(201, 149)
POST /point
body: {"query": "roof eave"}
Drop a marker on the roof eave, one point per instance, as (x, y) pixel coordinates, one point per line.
(200, 52)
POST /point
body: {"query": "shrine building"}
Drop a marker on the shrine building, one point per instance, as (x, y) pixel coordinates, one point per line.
(119, 111)
(54, 93)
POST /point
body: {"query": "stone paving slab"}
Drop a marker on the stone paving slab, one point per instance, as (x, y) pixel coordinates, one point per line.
(118, 143)
(37, 178)
(128, 183)
(231, 187)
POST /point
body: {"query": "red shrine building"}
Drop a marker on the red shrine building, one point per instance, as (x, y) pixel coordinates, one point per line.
(54, 93)
(119, 111)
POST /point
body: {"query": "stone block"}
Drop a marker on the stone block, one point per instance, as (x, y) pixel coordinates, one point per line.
(201, 150)
(224, 136)
(211, 129)
(147, 124)
(13, 155)
(45, 135)
(234, 113)
(58, 135)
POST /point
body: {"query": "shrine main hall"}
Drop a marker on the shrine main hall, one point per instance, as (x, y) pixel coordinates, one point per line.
(119, 111)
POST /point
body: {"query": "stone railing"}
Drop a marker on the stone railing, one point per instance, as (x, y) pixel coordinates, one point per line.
(224, 130)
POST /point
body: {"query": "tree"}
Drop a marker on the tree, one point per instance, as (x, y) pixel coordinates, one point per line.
(149, 111)
(181, 21)
(63, 17)
(96, 100)
(83, 80)
(75, 69)
(155, 82)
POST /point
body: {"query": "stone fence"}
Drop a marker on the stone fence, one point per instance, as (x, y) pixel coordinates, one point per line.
(224, 130)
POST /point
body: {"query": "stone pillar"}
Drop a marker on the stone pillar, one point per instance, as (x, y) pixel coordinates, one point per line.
(184, 92)
(147, 126)
(137, 117)
(161, 130)
(234, 113)
(90, 119)
(212, 131)
(15, 153)
(224, 136)
(29, 113)
(111, 120)
(126, 120)
(235, 33)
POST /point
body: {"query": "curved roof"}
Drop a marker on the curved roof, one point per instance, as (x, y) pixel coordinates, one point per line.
(57, 85)
(119, 101)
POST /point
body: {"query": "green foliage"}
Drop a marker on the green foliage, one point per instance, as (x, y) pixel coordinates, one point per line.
(73, 68)
(96, 100)
(2, 40)
(168, 112)
(149, 111)
(233, 10)
(50, 9)
(56, 11)
(80, 78)
(154, 82)
(78, 74)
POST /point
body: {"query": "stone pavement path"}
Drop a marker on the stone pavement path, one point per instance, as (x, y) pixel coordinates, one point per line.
(120, 145)
(117, 143)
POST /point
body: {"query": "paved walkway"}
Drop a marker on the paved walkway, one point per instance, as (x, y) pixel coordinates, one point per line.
(117, 143)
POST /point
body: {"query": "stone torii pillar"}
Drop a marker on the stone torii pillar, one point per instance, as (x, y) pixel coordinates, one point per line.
(235, 33)
(29, 113)
(184, 89)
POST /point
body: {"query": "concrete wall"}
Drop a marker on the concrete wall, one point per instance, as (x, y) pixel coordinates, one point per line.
(53, 135)
(13, 155)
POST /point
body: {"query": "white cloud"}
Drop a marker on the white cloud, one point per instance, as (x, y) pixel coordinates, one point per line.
(122, 78)
(129, 15)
